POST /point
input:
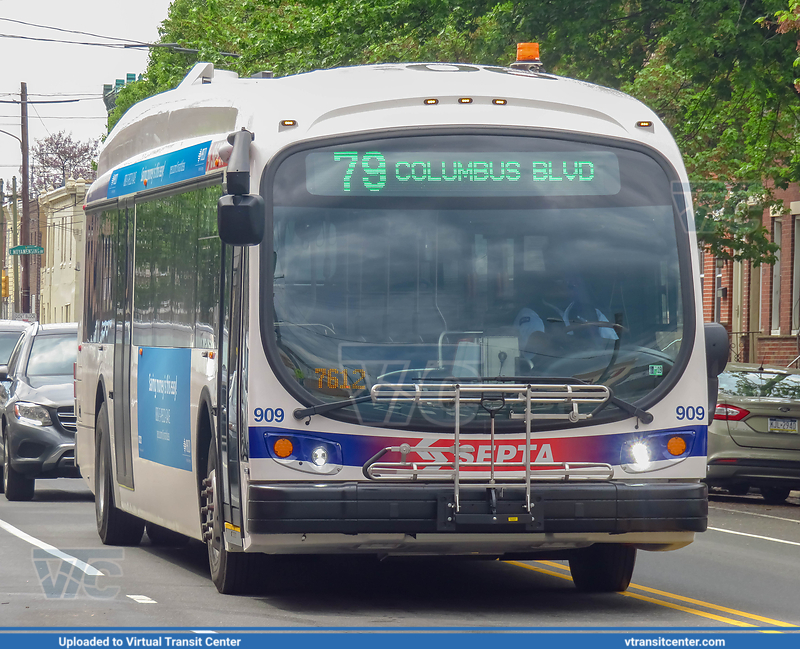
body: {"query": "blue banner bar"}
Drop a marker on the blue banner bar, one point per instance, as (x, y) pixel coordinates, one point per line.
(160, 171)
(369, 638)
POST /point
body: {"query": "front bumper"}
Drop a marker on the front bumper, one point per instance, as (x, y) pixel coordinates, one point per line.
(754, 471)
(614, 508)
(41, 451)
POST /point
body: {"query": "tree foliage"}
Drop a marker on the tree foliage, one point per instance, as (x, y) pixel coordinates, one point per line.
(58, 157)
(720, 73)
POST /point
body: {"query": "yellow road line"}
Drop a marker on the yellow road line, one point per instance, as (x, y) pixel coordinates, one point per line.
(689, 600)
(662, 593)
(685, 609)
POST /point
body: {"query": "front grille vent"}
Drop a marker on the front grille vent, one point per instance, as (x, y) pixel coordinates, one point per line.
(67, 418)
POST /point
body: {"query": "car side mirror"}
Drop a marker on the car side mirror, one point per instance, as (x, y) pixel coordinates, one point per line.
(240, 216)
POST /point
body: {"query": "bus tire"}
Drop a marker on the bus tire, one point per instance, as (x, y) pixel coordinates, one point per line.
(231, 572)
(114, 526)
(603, 567)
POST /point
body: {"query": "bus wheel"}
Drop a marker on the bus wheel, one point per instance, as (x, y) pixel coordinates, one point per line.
(602, 567)
(17, 485)
(114, 526)
(230, 571)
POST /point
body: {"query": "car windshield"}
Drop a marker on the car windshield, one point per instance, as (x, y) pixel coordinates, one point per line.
(8, 339)
(766, 383)
(52, 355)
(427, 258)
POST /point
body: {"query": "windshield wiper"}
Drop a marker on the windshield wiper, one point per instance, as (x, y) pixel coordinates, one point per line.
(628, 407)
(302, 413)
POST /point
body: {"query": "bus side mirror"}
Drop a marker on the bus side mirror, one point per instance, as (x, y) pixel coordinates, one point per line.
(717, 349)
(240, 219)
(240, 216)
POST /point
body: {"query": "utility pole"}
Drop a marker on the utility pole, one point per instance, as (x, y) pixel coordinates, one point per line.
(25, 225)
(2, 241)
(15, 241)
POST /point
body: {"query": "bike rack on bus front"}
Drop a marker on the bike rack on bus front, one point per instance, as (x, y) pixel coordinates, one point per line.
(487, 396)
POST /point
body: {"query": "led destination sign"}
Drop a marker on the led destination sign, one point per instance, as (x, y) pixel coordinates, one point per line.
(348, 172)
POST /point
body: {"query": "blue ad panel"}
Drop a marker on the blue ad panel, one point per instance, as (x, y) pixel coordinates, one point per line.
(160, 171)
(165, 434)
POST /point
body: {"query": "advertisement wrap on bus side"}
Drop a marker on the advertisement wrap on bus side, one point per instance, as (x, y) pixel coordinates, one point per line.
(163, 386)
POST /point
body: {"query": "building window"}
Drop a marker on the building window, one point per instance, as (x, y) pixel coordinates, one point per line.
(702, 271)
(775, 320)
(796, 277)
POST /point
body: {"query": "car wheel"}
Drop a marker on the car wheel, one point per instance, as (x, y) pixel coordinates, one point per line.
(17, 485)
(2, 465)
(114, 526)
(774, 495)
(231, 572)
(602, 567)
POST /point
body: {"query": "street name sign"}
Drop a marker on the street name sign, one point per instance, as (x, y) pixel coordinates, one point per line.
(26, 250)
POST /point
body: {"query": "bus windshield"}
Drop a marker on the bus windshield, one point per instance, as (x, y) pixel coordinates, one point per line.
(472, 257)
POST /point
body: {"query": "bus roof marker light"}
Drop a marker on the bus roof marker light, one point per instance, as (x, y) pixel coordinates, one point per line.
(527, 51)
(431, 102)
(285, 124)
(645, 124)
(499, 102)
(528, 58)
(465, 100)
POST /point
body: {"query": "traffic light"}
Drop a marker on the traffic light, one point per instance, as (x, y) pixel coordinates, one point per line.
(5, 284)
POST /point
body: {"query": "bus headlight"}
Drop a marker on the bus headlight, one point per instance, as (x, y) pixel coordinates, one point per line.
(319, 456)
(641, 456)
(655, 451)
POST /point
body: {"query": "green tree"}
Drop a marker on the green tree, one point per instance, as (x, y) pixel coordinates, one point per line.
(720, 73)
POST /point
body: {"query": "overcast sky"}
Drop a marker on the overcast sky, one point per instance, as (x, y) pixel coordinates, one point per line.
(56, 71)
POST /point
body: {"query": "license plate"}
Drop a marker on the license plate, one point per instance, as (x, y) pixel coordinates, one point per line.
(782, 425)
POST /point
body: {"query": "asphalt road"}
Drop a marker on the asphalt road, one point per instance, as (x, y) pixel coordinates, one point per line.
(743, 572)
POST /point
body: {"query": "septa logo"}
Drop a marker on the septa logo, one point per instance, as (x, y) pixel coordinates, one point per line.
(512, 451)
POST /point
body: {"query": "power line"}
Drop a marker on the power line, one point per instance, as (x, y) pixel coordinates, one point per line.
(39, 39)
(55, 117)
(68, 31)
(172, 46)
(88, 95)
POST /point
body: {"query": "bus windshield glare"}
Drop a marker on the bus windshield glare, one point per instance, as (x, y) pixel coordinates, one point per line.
(475, 257)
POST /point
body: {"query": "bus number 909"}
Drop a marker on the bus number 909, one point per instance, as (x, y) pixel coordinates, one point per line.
(690, 412)
(268, 414)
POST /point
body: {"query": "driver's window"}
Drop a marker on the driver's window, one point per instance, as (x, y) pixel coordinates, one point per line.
(14, 358)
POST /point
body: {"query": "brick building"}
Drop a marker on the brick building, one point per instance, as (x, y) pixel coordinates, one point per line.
(760, 307)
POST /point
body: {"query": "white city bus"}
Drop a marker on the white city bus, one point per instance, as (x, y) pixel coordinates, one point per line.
(405, 309)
